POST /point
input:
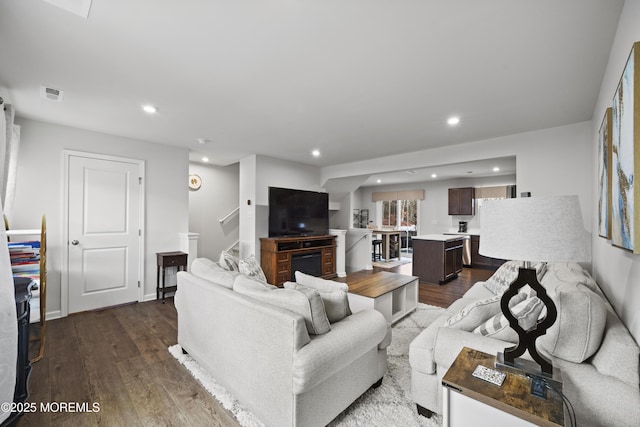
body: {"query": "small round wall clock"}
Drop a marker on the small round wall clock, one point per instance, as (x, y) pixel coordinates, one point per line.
(194, 182)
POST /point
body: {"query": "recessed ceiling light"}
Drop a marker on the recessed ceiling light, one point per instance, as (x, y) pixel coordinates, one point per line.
(205, 159)
(496, 169)
(203, 140)
(453, 120)
(315, 153)
(150, 109)
(379, 181)
(433, 175)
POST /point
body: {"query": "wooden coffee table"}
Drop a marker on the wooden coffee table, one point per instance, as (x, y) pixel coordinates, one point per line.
(394, 295)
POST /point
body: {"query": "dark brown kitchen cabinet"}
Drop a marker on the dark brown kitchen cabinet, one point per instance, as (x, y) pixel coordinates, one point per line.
(462, 201)
(437, 261)
(452, 261)
(481, 261)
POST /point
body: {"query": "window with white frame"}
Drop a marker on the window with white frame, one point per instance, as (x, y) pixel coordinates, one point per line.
(402, 214)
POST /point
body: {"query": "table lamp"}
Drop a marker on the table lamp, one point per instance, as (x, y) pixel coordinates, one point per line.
(540, 229)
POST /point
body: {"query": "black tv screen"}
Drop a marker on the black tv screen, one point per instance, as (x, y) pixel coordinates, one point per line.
(298, 212)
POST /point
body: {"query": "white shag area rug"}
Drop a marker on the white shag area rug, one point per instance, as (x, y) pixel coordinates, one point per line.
(388, 405)
(386, 265)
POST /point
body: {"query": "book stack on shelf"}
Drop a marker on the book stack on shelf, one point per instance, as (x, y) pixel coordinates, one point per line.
(25, 262)
(29, 259)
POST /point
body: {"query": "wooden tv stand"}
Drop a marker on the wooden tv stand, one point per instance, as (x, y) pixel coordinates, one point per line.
(280, 255)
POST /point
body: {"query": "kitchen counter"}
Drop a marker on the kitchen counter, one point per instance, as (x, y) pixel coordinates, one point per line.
(438, 237)
(390, 242)
(470, 232)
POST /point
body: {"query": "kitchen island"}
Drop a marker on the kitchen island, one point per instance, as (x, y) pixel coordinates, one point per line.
(437, 258)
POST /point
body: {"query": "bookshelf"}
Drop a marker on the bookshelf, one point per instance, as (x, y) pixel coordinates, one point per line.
(28, 253)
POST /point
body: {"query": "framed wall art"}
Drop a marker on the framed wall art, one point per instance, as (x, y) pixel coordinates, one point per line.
(364, 218)
(604, 176)
(356, 218)
(625, 156)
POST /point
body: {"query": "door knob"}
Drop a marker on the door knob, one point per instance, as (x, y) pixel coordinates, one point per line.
(74, 242)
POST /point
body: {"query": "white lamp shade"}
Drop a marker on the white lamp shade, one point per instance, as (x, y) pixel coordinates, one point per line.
(548, 229)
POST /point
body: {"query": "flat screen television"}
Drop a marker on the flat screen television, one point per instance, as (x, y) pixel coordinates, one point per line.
(298, 213)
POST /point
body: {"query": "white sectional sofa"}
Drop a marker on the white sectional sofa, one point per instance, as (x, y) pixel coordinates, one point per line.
(237, 329)
(596, 354)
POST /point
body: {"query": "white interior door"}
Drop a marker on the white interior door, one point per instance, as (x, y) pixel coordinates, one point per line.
(104, 231)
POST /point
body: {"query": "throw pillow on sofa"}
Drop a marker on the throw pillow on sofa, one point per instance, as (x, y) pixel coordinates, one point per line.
(228, 261)
(250, 267)
(305, 302)
(507, 273)
(245, 285)
(577, 332)
(527, 311)
(319, 284)
(471, 316)
(209, 270)
(334, 294)
(336, 302)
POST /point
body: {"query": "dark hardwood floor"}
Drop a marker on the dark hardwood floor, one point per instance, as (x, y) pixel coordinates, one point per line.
(443, 295)
(117, 358)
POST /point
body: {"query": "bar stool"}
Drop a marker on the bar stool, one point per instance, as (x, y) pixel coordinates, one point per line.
(377, 250)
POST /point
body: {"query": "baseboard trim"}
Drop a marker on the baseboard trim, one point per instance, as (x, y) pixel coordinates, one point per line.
(52, 315)
(149, 297)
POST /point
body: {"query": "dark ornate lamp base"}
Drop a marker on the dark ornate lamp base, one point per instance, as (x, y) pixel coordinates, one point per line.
(527, 339)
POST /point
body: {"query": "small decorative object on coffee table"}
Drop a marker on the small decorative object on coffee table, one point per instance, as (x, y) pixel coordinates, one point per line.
(469, 400)
(168, 259)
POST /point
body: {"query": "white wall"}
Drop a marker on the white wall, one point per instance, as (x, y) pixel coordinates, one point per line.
(343, 218)
(217, 197)
(433, 211)
(257, 174)
(272, 172)
(617, 271)
(549, 162)
(40, 191)
(248, 203)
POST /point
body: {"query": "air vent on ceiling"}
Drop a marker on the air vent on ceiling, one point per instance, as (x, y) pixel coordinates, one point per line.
(51, 94)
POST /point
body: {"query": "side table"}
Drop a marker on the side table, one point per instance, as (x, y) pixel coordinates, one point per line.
(468, 400)
(168, 259)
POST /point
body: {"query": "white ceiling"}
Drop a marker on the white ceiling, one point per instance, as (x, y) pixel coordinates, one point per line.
(477, 169)
(356, 79)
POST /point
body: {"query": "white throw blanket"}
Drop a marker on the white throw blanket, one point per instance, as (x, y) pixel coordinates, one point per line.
(8, 328)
